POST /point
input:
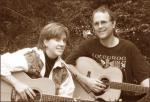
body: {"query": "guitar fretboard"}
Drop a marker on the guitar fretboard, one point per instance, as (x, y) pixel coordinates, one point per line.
(129, 87)
(53, 98)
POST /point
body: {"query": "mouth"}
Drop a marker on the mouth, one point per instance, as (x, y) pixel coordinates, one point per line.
(102, 30)
(60, 49)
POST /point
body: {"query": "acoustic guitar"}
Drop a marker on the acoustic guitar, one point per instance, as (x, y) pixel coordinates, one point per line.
(112, 77)
(43, 87)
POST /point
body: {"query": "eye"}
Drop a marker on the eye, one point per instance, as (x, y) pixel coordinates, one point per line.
(65, 40)
(57, 39)
(96, 24)
(103, 22)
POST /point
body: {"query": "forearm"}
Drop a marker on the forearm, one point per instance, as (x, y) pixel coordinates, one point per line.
(10, 79)
(77, 74)
(93, 84)
(20, 87)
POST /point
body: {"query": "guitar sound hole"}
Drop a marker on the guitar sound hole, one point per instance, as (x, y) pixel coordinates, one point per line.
(105, 81)
(37, 98)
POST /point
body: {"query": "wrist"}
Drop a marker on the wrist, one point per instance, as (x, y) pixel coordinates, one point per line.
(82, 78)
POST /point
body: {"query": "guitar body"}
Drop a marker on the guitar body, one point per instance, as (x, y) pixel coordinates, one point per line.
(43, 85)
(91, 68)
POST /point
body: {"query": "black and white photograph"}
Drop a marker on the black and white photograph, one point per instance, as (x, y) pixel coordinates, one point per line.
(75, 50)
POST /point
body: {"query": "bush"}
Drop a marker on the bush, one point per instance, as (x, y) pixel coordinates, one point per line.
(22, 20)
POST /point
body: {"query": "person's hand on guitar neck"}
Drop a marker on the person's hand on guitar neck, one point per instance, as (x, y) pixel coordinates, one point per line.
(22, 89)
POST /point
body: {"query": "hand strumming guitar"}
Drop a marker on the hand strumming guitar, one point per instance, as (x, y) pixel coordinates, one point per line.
(95, 85)
(22, 89)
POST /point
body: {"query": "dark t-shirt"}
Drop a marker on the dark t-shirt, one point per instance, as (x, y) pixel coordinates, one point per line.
(125, 56)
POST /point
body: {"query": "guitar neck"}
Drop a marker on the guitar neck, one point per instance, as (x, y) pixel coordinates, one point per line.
(53, 98)
(129, 87)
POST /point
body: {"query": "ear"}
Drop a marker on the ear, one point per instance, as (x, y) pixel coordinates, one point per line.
(45, 43)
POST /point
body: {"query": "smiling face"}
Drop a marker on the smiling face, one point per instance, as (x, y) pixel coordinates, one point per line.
(55, 46)
(53, 38)
(103, 25)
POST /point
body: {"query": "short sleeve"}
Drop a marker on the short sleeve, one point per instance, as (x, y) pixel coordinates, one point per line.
(81, 50)
(141, 68)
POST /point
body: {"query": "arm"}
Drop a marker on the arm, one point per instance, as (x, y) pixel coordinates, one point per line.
(94, 84)
(141, 68)
(146, 82)
(20, 87)
(83, 50)
(13, 62)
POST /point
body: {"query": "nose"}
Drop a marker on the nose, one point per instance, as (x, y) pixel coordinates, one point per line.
(100, 25)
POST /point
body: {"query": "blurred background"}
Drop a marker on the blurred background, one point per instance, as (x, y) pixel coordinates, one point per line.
(22, 20)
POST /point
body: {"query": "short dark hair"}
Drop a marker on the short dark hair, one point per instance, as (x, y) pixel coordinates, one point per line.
(105, 9)
(51, 30)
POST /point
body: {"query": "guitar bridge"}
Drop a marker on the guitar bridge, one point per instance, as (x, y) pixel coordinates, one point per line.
(88, 74)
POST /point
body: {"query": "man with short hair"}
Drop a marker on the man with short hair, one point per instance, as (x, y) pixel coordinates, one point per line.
(109, 51)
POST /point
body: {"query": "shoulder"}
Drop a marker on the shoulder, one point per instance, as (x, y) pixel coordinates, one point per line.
(129, 46)
(35, 53)
(20, 53)
(30, 50)
(127, 43)
(89, 42)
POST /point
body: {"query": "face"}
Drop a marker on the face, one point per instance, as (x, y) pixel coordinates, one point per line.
(102, 25)
(56, 46)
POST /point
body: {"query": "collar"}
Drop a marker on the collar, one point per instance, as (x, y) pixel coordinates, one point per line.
(59, 63)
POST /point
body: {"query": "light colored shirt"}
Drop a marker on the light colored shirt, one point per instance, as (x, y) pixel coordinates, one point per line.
(16, 61)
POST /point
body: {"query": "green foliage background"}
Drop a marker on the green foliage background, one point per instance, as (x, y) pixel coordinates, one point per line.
(21, 21)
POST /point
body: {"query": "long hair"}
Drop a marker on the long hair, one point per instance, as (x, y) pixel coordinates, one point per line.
(51, 30)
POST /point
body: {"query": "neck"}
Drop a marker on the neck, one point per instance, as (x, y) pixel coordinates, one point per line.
(51, 56)
(109, 42)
